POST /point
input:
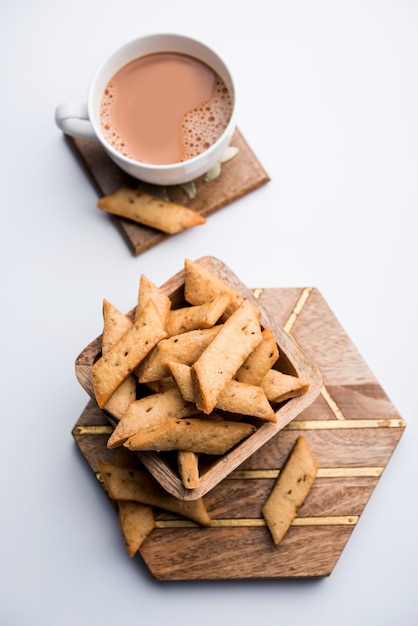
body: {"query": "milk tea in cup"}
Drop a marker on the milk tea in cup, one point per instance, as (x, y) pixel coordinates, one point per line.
(164, 108)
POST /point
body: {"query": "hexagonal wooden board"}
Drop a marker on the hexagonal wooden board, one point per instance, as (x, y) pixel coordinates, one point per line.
(352, 429)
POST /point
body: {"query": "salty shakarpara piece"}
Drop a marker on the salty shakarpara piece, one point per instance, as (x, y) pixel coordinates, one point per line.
(150, 210)
(203, 436)
(123, 483)
(290, 490)
(122, 359)
(217, 365)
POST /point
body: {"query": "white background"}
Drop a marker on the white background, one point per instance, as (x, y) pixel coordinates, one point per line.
(328, 100)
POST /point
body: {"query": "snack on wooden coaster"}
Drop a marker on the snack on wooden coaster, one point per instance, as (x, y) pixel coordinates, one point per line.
(188, 466)
(202, 436)
(290, 490)
(136, 522)
(135, 485)
(218, 363)
(111, 369)
(150, 210)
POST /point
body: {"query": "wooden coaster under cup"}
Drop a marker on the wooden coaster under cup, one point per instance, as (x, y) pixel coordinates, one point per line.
(239, 176)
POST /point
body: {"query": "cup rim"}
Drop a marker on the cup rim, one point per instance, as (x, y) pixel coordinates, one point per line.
(93, 96)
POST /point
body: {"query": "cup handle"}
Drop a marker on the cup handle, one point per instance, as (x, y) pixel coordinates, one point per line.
(73, 119)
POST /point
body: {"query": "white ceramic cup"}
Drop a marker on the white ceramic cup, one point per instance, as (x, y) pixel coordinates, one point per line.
(83, 120)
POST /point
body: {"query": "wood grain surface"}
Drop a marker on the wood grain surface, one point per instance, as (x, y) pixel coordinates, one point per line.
(239, 176)
(352, 429)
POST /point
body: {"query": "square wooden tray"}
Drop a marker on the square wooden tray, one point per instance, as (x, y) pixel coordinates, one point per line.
(291, 361)
(239, 176)
(352, 428)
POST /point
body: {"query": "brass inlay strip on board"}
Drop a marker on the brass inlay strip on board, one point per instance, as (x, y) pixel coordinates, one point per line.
(350, 472)
(323, 472)
(297, 309)
(396, 422)
(102, 429)
(337, 520)
(331, 403)
(303, 298)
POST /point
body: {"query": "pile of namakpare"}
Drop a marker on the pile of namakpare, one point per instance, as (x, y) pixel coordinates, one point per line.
(196, 379)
